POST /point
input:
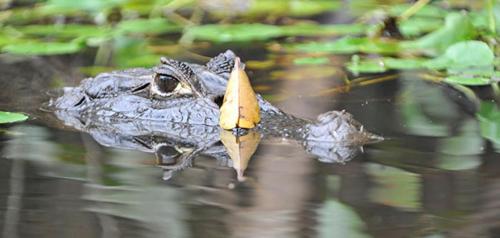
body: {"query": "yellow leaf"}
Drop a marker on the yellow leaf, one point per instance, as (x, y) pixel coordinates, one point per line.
(240, 108)
(240, 149)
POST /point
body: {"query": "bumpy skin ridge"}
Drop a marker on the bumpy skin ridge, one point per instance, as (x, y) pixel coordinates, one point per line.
(117, 107)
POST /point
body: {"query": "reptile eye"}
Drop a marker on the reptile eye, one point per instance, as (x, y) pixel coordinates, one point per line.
(167, 155)
(165, 83)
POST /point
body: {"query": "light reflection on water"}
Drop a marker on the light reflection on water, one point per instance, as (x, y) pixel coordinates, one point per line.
(434, 176)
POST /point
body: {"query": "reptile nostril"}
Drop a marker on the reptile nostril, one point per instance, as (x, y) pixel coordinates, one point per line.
(219, 100)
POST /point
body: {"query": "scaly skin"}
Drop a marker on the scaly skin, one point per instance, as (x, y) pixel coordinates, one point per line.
(125, 108)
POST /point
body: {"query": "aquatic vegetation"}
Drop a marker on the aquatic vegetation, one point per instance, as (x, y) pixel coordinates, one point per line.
(9, 117)
(444, 43)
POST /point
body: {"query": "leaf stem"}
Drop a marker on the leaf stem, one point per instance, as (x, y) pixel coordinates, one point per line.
(414, 9)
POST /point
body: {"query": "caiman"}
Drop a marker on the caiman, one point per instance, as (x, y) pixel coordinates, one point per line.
(177, 105)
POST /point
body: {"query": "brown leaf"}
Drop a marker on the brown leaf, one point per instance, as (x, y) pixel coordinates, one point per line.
(240, 108)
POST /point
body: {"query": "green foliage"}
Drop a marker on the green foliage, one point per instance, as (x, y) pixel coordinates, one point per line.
(467, 63)
(429, 10)
(457, 27)
(464, 55)
(311, 60)
(87, 5)
(64, 31)
(416, 26)
(43, 48)
(383, 64)
(9, 117)
(147, 26)
(467, 80)
(298, 8)
(348, 45)
(435, 38)
(231, 33)
(257, 31)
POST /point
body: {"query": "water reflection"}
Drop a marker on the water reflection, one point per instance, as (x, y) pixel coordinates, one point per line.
(436, 176)
(176, 145)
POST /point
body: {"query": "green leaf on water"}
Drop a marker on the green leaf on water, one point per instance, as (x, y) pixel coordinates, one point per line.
(67, 30)
(311, 60)
(463, 55)
(416, 26)
(428, 10)
(256, 31)
(151, 26)
(348, 45)
(43, 48)
(87, 5)
(468, 63)
(290, 8)
(369, 66)
(319, 30)
(9, 117)
(457, 27)
(379, 65)
(467, 80)
(234, 32)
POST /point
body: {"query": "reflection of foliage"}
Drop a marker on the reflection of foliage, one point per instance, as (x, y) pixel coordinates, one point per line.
(338, 220)
(426, 111)
(489, 121)
(395, 187)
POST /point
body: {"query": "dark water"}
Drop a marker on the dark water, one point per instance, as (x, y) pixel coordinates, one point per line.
(434, 176)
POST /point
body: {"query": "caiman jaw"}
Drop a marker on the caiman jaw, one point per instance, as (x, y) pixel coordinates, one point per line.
(339, 127)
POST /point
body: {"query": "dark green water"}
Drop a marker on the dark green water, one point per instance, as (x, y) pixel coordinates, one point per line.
(434, 176)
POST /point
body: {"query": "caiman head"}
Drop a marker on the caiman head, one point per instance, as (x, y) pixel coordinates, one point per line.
(173, 91)
(189, 94)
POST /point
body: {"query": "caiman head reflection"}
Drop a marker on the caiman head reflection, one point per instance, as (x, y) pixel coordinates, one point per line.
(173, 110)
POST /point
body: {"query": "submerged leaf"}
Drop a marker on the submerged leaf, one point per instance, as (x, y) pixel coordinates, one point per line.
(240, 108)
(9, 117)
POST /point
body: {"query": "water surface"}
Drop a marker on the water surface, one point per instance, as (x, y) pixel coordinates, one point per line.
(434, 175)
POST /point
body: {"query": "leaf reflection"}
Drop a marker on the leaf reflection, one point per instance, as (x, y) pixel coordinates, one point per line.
(240, 149)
